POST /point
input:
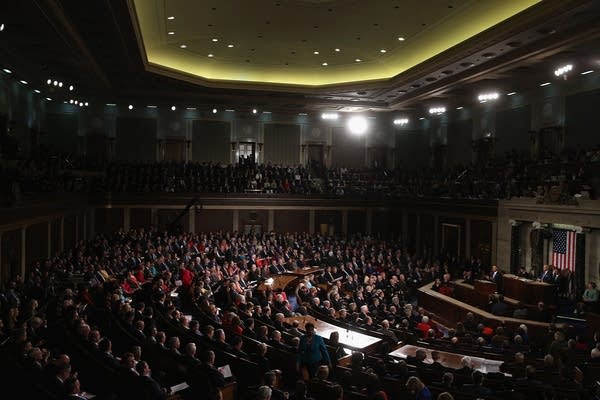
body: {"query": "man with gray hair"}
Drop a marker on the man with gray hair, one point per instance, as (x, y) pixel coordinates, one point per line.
(264, 393)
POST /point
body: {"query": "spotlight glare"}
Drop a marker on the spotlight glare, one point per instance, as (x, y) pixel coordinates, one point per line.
(383, 51)
(488, 96)
(315, 52)
(170, 33)
(55, 83)
(254, 111)
(337, 50)
(324, 64)
(49, 81)
(401, 121)
(357, 60)
(1, 27)
(437, 110)
(215, 40)
(357, 125)
(563, 70)
(173, 108)
(71, 88)
(183, 46)
(210, 55)
(130, 106)
(330, 116)
(214, 110)
(60, 84)
(230, 45)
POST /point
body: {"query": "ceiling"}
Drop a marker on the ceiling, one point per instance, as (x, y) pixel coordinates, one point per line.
(96, 45)
(307, 42)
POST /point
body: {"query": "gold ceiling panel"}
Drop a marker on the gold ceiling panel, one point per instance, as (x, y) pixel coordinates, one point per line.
(276, 42)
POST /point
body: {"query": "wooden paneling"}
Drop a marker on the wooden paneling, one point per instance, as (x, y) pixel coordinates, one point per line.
(10, 263)
(291, 221)
(140, 218)
(454, 235)
(214, 220)
(282, 144)
(330, 221)
(481, 240)
(36, 242)
(69, 231)
(108, 220)
(254, 218)
(357, 222)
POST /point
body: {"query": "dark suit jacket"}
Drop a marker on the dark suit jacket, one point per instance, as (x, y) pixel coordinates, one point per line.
(151, 389)
(498, 279)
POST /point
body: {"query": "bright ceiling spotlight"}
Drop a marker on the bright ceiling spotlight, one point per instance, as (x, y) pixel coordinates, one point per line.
(214, 110)
(1, 27)
(488, 96)
(60, 84)
(437, 110)
(357, 125)
(563, 70)
(48, 98)
(23, 82)
(511, 93)
(330, 116)
(87, 104)
(171, 18)
(8, 71)
(130, 106)
(71, 88)
(71, 101)
(173, 108)
(55, 83)
(80, 104)
(49, 81)
(254, 111)
(401, 121)
(37, 91)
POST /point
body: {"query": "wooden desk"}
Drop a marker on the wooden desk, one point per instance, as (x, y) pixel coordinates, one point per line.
(302, 272)
(455, 310)
(528, 291)
(348, 338)
(276, 282)
(450, 360)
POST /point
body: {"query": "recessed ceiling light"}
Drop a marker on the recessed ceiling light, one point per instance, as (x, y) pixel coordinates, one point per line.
(37, 91)
(49, 81)
(86, 104)
(48, 98)
(211, 55)
(214, 110)
(113, 104)
(171, 18)
(315, 52)
(545, 84)
(358, 60)
(55, 83)
(1, 27)
(383, 51)
(173, 108)
(459, 108)
(302, 114)
(23, 82)
(230, 45)
(130, 106)
(337, 50)
(511, 93)
(183, 46)
(587, 72)
(229, 110)
(324, 64)
(215, 40)
(421, 118)
(151, 106)
(8, 71)
(401, 39)
(71, 88)
(254, 111)
(190, 108)
(60, 84)
(170, 33)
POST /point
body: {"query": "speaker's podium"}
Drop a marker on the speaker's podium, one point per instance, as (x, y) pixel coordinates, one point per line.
(483, 289)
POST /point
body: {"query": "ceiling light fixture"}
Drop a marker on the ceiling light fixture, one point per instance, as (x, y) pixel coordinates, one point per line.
(303, 114)
(589, 71)
(130, 107)
(150, 106)
(338, 50)
(183, 46)
(215, 40)
(171, 18)
(170, 33)
(8, 71)
(60, 84)
(23, 82)
(214, 110)
(71, 101)
(511, 93)
(190, 108)
(37, 91)
(49, 81)
(211, 55)
(421, 118)
(401, 121)
(254, 111)
(437, 110)
(173, 108)
(488, 96)
(545, 84)
(113, 105)
(358, 60)
(230, 45)
(459, 108)
(1, 27)
(383, 51)
(401, 39)
(55, 83)
(229, 110)
(315, 52)
(563, 70)
(71, 88)
(86, 104)
(48, 98)
(330, 116)
(324, 64)
(358, 125)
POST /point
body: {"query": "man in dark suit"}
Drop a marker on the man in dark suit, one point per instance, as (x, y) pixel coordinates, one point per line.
(477, 386)
(497, 278)
(151, 389)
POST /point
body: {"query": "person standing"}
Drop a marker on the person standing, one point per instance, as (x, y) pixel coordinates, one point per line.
(498, 279)
(311, 352)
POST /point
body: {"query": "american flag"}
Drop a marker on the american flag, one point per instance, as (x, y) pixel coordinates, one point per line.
(563, 249)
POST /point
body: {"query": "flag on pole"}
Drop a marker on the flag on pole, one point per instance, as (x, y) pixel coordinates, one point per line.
(563, 249)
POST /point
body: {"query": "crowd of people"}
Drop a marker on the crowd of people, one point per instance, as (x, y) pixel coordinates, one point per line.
(514, 175)
(188, 294)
